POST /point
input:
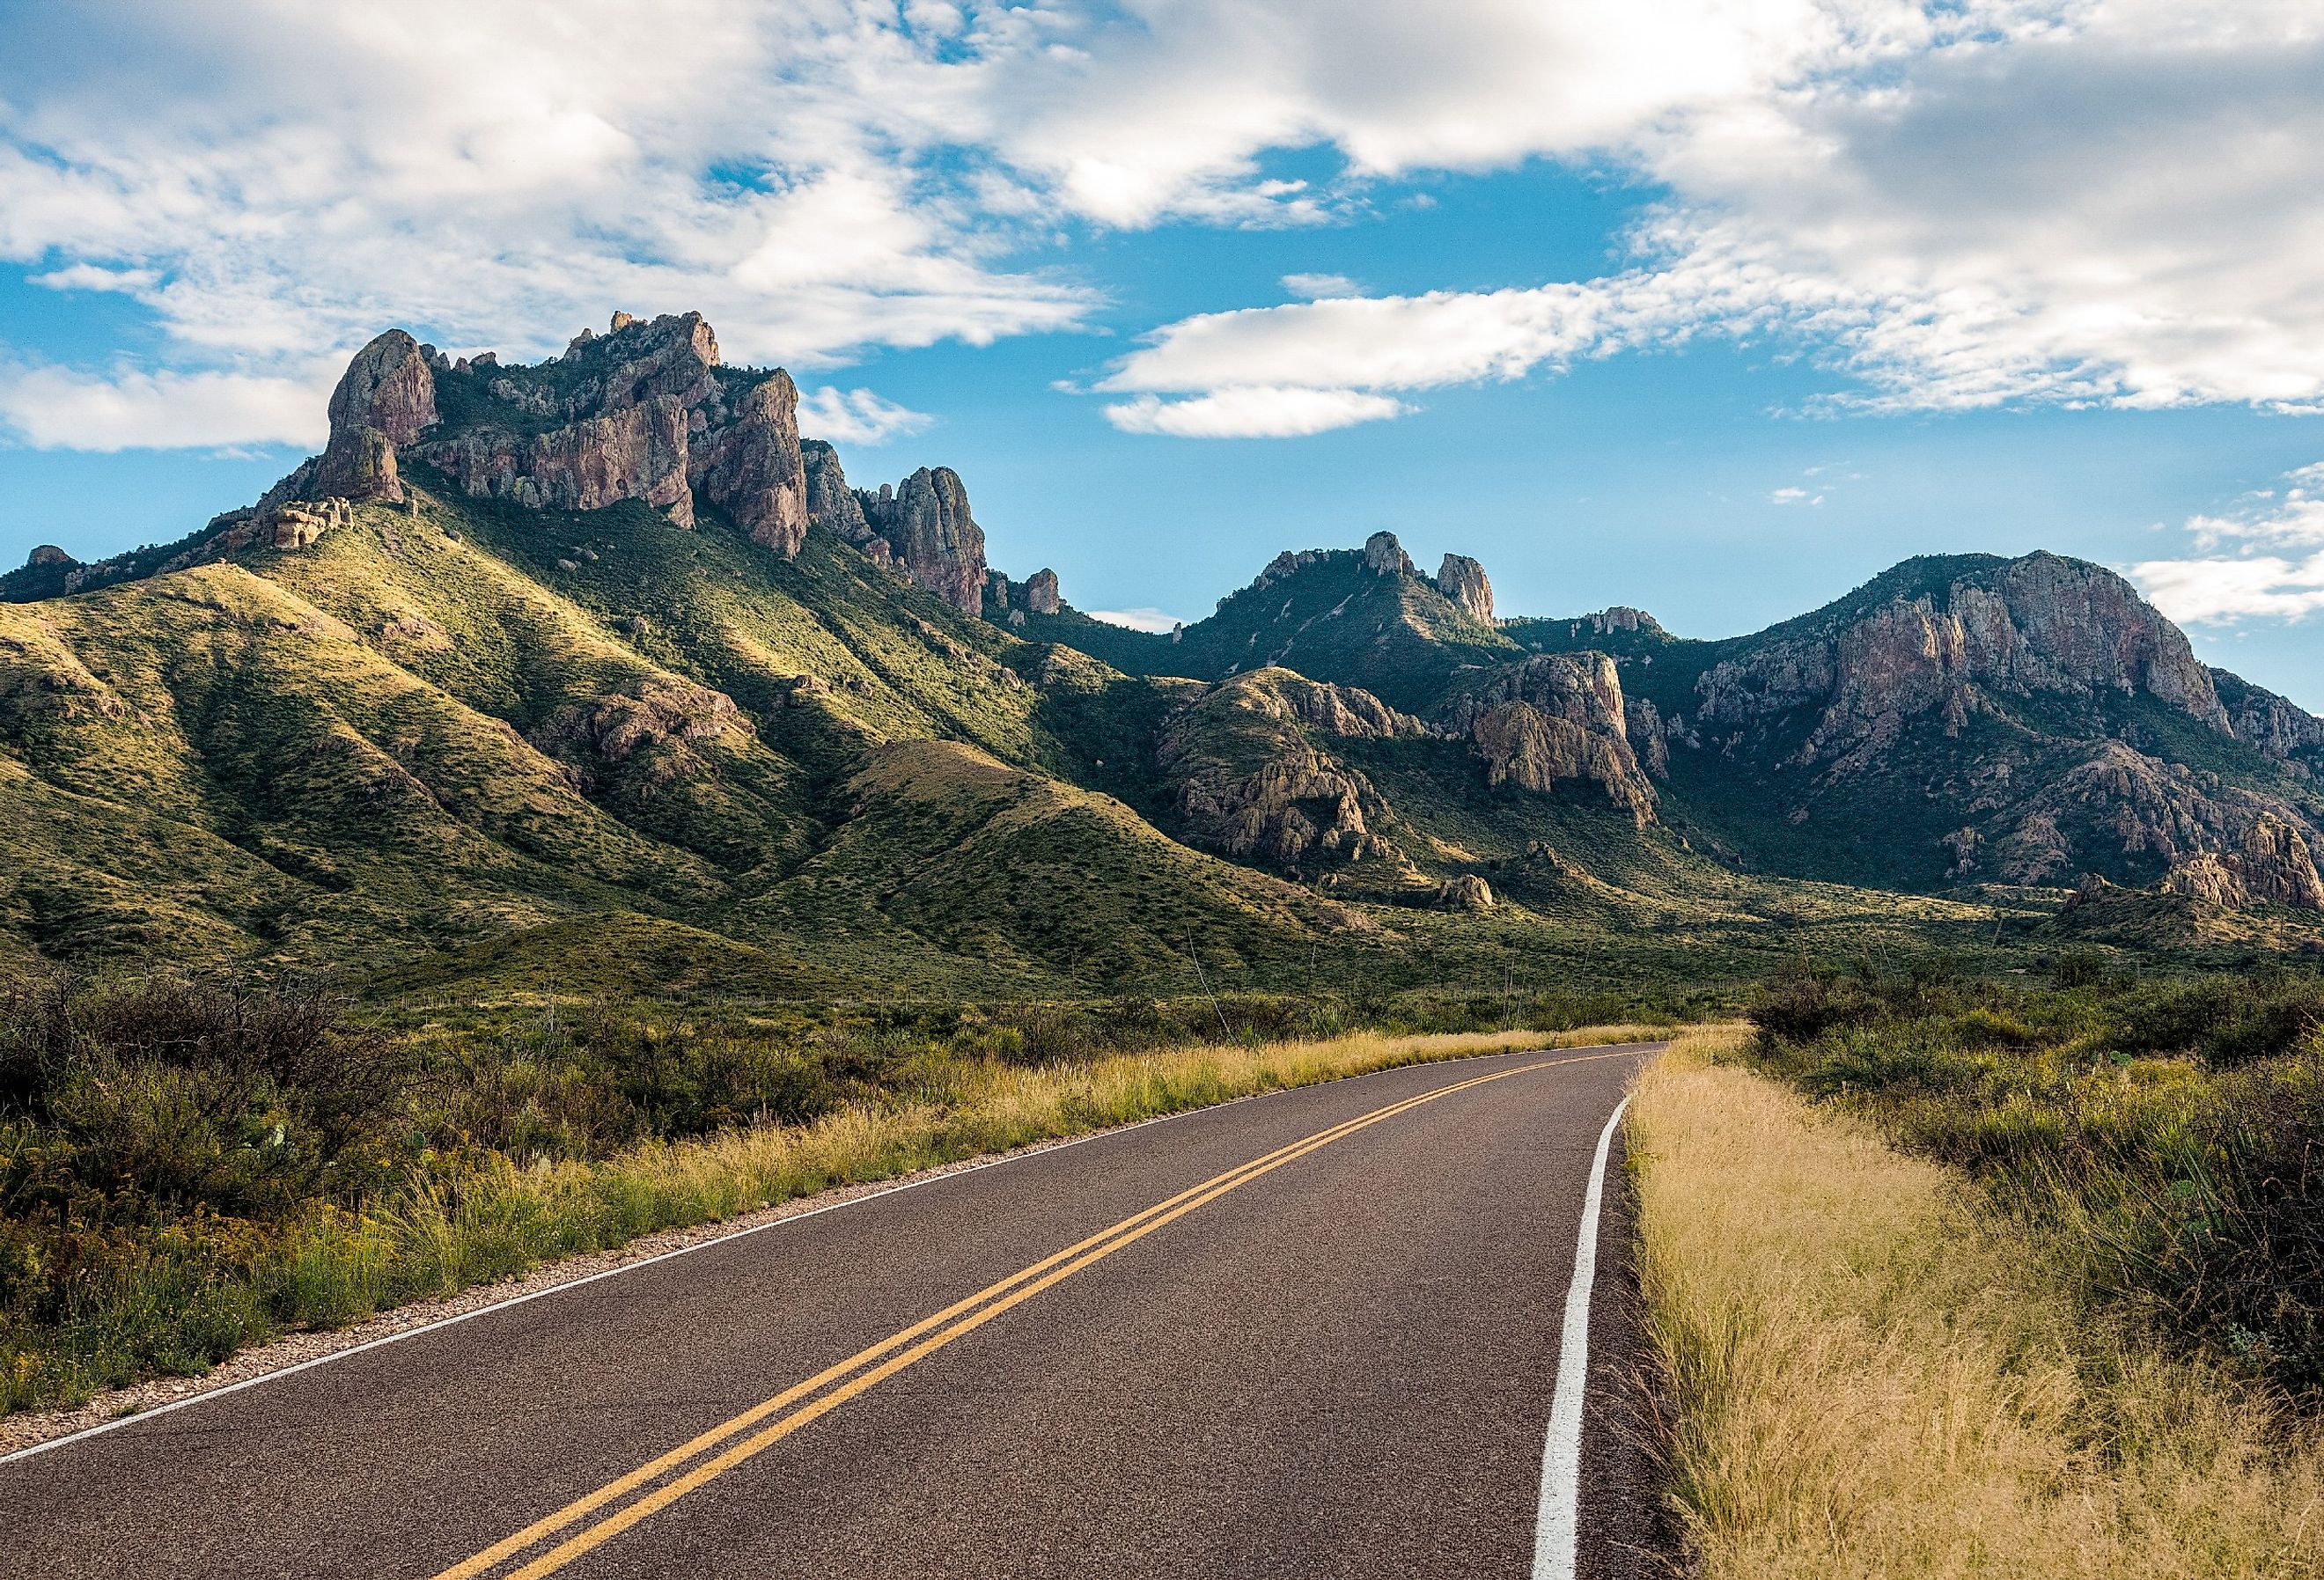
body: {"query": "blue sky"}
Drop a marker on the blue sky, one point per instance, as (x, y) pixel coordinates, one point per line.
(1719, 329)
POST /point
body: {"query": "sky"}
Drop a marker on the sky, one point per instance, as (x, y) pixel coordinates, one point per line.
(1712, 307)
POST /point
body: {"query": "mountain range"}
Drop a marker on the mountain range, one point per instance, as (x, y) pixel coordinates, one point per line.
(595, 671)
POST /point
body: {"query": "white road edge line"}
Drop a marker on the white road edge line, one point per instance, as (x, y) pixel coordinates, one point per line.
(1557, 1530)
(1036, 1150)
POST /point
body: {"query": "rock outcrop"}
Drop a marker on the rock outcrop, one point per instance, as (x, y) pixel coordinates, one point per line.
(754, 468)
(2274, 867)
(2273, 724)
(1463, 580)
(936, 542)
(1554, 717)
(390, 386)
(48, 554)
(2040, 624)
(1384, 556)
(644, 412)
(1465, 891)
(1041, 595)
(386, 398)
(1249, 770)
(830, 503)
(648, 734)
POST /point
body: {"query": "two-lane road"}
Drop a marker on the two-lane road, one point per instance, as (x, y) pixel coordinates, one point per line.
(1311, 1334)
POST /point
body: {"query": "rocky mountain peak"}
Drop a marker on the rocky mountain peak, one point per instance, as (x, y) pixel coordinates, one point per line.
(386, 398)
(1951, 646)
(390, 386)
(1384, 556)
(936, 540)
(1463, 580)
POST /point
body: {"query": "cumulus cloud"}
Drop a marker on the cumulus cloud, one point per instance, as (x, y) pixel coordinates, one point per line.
(1964, 207)
(294, 178)
(1253, 411)
(856, 417)
(51, 408)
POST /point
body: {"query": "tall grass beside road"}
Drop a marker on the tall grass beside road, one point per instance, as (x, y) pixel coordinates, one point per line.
(1872, 1371)
(189, 1169)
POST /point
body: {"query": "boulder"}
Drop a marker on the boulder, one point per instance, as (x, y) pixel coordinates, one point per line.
(49, 554)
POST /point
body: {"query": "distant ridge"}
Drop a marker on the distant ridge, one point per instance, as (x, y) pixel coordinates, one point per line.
(606, 637)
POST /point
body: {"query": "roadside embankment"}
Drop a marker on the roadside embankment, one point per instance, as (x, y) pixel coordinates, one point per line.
(1871, 1372)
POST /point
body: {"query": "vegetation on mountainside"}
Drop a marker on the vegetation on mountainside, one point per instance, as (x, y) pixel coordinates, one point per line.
(2164, 1135)
(187, 1166)
(1872, 1371)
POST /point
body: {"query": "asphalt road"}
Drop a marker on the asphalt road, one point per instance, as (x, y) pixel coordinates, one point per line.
(1280, 1348)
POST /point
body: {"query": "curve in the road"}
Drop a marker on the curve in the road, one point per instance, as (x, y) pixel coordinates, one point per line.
(866, 1368)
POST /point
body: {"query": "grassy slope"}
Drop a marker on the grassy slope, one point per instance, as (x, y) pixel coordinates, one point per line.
(1870, 1377)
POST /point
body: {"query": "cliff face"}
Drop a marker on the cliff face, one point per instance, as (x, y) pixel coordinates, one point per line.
(936, 541)
(754, 468)
(640, 412)
(2040, 624)
(1551, 717)
(643, 412)
(386, 398)
(2274, 725)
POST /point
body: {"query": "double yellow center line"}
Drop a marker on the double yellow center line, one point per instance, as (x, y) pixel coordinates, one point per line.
(612, 1508)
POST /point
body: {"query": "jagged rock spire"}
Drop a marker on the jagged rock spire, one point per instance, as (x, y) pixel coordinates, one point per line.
(1463, 580)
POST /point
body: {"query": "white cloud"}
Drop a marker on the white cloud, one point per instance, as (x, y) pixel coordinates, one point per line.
(89, 277)
(2224, 591)
(1957, 205)
(51, 408)
(1313, 286)
(1136, 619)
(856, 417)
(1252, 411)
(295, 177)
(2291, 516)
(2220, 590)
(1793, 496)
(2112, 204)
(1379, 343)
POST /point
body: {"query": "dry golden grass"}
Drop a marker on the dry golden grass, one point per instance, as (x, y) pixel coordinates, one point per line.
(1871, 1375)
